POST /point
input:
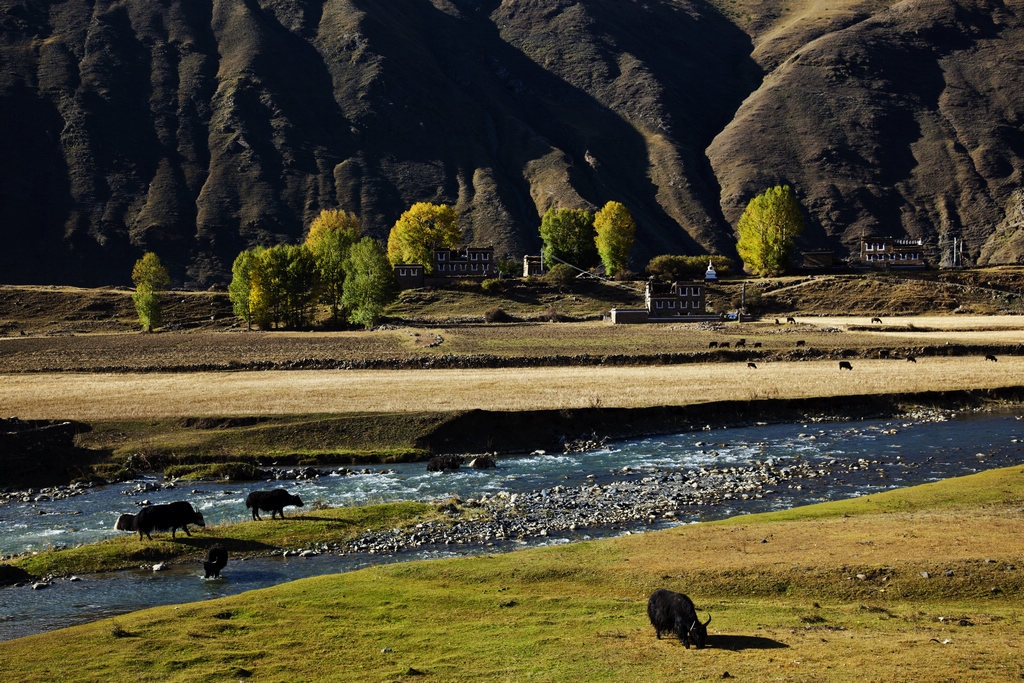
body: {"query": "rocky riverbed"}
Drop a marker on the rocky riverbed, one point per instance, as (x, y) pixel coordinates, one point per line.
(638, 499)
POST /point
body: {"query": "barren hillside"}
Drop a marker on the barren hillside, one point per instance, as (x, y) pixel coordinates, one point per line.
(197, 128)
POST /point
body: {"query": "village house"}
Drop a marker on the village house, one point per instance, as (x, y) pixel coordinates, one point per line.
(468, 262)
(666, 302)
(891, 252)
(448, 263)
(409, 275)
(819, 259)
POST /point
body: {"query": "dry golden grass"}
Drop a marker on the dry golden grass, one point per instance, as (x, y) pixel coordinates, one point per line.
(127, 396)
(959, 323)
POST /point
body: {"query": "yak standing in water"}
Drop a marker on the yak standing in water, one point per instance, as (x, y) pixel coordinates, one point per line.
(674, 612)
(216, 558)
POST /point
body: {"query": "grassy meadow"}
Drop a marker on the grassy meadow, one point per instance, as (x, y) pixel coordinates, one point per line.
(913, 584)
(99, 396)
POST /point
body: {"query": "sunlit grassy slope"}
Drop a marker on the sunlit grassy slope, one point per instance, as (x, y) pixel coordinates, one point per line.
(915, 584)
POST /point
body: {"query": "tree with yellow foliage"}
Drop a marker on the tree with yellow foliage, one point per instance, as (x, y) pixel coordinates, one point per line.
(614, 228)
(331, 235)
(419, 231)
(767, 229)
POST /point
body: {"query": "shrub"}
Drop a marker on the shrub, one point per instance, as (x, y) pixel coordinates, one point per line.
(492, 286)
(552, 315)
(624, 275)
(561, 275)
(225, 470)
(678, 267)
(497, 315)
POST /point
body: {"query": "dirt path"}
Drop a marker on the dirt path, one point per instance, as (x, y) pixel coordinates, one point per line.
(112, 396)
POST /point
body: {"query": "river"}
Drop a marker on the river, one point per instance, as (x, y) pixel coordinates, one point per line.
(825, 461)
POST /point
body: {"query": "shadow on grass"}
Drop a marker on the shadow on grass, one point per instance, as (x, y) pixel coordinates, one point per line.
(201, 544)
(736, 643)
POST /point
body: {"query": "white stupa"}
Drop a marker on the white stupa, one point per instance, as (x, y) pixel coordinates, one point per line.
(711, 274)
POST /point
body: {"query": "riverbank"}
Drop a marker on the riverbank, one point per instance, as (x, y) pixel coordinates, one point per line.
(634, 485)
(122, 449)
(925, 581)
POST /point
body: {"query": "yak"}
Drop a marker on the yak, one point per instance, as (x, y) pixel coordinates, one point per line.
(216, 558)
(674, 612)
(274, 501)
(125, 522)
(441, 463)
(173, 516)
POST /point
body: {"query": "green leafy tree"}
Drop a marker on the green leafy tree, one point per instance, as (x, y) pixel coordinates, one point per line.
(240, 289)
(419, 231)
(369, 282)
(331, 235)
(150, 279)
(283, 280)
(767, 229)
(614, 228)
(508, 267)
(568, 234)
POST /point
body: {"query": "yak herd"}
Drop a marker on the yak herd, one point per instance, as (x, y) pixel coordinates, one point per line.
(180, 513)
(668, 611)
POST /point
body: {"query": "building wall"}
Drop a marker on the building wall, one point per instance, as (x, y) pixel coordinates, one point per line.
(471, 262)
(409, 275)
(891, 252)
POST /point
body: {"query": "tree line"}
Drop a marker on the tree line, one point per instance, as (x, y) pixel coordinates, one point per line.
(353, 276)
(281, 285)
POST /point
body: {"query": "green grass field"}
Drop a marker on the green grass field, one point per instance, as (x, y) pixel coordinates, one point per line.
(827, 592)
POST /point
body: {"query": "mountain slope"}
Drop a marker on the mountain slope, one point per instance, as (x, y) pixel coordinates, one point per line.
(195, 129)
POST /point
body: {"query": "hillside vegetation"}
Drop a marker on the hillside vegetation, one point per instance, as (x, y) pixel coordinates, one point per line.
(195, 129)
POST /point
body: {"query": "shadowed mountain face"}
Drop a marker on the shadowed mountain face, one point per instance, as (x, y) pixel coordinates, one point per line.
(197, 128)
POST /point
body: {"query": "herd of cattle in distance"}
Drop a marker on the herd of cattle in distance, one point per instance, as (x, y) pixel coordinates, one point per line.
(843, 365)
(180, 513)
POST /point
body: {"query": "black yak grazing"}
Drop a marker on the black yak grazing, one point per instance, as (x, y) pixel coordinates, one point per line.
(274, 501)
(216, 558)
(671, 611)
(173, 516)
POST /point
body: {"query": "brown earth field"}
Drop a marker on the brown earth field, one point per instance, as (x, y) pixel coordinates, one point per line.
(514, 344)
(107, 396)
